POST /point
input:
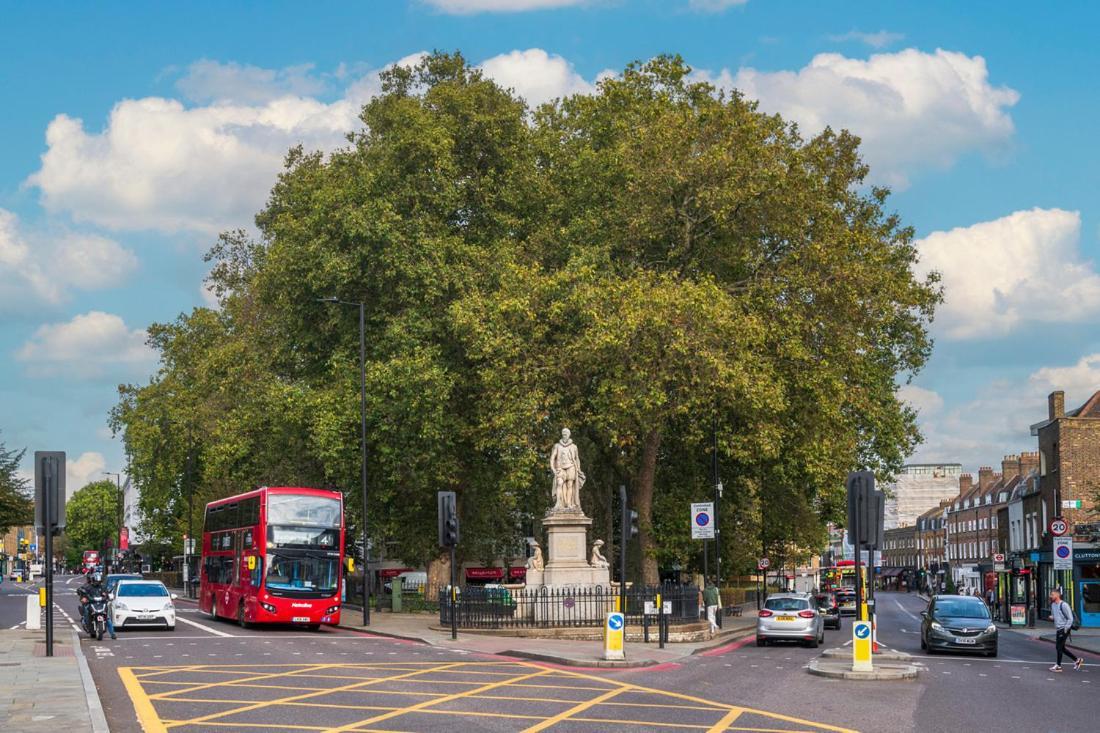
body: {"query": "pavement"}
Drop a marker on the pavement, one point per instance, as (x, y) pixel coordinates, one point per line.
(40, 693)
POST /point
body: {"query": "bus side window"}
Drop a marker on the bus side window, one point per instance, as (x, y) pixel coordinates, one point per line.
(257, 572)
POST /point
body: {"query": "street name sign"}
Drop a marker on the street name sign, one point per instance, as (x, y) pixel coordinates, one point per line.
(702, 521)
(1058, 527)
(613, 636)
(1071, 503)
(1063, 553)
(861, 646)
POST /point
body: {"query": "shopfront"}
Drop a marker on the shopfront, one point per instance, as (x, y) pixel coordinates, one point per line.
(1080, 587)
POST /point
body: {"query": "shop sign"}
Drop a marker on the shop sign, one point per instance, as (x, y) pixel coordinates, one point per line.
(1019, 614)
(484, 573)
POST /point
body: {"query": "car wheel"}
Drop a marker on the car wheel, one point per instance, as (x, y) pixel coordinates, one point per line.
(169, 627)
(761, 642)
(213, 608)
(811, 644)
(992, 653)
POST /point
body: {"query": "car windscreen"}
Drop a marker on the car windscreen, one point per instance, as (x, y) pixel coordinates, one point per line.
(961, 608)
(786, 604)
(126, 590)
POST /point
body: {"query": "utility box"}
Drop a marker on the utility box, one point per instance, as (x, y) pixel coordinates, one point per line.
(34, 613)
(397, 590)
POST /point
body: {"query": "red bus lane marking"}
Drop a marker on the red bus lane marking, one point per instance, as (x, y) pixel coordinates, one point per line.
(719, 651)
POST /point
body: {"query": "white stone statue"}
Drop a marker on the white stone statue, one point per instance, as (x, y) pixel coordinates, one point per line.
(535, 561)
(598, 560)
(565, 464)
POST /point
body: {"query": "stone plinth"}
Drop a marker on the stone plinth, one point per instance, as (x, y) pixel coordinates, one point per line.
(567, 553)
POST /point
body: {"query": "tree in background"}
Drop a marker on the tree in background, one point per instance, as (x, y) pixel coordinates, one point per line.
(641, 264)
(90, 519)
(16, 504)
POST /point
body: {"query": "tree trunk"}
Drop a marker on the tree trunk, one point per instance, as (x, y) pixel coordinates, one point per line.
(643, 504)
(439, 572)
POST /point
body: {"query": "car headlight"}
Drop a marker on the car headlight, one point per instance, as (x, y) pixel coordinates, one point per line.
(168, 606)
(991, 628)
(121, 606)
(936, 627)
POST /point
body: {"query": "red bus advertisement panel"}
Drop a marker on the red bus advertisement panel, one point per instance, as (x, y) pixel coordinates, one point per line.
(274, 555)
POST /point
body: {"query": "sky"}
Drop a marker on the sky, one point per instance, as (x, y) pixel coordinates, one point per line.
(132, 133)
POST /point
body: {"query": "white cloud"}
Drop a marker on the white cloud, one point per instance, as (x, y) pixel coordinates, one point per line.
(536, 75)
(41, 268)
(996, 422)
(211, 81)
(88, 346)
(911, 109)
(84, 470)
(924, 401)
(997, 275)
(881, 39)
(469, 7)
(713, 6)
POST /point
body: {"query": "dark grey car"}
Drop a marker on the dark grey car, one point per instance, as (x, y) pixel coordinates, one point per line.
(958, 624)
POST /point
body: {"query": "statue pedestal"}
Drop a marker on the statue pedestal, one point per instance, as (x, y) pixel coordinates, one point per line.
(567, 552)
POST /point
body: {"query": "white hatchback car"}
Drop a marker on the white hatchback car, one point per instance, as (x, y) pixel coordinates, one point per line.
(142, 603)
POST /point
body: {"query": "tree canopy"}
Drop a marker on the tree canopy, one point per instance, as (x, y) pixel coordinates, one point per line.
(90, 519)
(16, 505)
(647, 265)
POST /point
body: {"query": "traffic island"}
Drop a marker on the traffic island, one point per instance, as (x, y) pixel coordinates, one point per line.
(837, 664)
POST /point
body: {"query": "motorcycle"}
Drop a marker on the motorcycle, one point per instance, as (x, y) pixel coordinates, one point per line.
(95, 619)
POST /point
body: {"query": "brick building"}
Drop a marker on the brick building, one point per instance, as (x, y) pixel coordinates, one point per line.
(931, 548)
(1069, 471)
(899, 556)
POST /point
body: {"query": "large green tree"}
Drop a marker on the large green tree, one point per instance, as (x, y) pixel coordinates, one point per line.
(648, 264)
(90, 519)
(16, 507)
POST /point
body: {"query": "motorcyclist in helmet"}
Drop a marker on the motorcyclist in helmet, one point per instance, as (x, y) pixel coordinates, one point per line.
(94, 588)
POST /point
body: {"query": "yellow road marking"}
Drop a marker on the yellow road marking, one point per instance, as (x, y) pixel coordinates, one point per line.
(726, 721)
(315, 693)
(458, 695)
(146, 713)
(207, 685)
(580, 708)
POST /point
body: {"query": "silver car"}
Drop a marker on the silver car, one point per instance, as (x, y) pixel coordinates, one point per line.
(790, 616)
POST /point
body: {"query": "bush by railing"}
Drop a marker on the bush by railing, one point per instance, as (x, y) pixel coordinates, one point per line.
(499, 607)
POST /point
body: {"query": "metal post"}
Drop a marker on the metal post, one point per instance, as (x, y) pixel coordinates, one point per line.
(50, 474)
(624, 532)
(717, 499)
(660, 622)
(706, 568)
(454, 598)
(190, 518)
(363, 452)
(857, 545)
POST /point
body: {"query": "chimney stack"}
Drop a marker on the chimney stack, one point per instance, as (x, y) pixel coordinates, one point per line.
(1029, 461)
(1056, 405)
(985, 477)
(1010, 467)
(966, 482)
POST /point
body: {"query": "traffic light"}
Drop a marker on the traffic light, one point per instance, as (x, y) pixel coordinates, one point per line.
(633, 524)
(448, 519)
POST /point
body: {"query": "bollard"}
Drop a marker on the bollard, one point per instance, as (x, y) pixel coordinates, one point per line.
(34, 613)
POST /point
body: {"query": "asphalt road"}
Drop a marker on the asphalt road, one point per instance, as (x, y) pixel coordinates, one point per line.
(214, 676)
(13, 608)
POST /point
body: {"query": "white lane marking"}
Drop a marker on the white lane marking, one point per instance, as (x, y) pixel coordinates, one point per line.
(197, 625)
(986, 661)
(906, 611)
(67, 617)
(17, 625)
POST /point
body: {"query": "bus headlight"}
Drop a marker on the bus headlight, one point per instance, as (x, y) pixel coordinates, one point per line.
(331, 610)
(267, 607)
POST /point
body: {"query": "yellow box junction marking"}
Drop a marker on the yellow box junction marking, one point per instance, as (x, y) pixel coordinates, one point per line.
(502, 676)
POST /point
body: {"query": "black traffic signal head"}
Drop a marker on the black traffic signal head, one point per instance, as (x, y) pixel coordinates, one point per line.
(633, 523)
(448, 519)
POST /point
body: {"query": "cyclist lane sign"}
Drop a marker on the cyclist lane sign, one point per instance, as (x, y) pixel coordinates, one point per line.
(613, 631)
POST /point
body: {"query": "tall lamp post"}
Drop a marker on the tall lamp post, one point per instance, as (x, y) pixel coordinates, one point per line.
(118, 509)
(362, 440)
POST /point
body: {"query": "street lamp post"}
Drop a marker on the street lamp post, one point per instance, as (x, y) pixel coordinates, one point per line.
(118, 508)
(362, 441)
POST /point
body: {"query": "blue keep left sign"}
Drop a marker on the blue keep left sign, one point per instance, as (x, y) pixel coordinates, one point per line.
(615, 622)
(863, 630)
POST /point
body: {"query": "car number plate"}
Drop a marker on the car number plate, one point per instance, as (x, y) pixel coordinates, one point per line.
(785, 618)
(959, 640)
(145, 616)
(300, 619)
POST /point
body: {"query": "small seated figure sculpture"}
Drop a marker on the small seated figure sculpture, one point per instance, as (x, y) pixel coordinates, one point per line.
(598, 560)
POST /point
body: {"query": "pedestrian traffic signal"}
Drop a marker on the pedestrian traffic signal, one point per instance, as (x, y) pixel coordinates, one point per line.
(448, 519)
(633, 524)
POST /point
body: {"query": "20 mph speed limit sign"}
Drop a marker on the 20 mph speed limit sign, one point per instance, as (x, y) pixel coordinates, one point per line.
(763, 563)
(1058, 527)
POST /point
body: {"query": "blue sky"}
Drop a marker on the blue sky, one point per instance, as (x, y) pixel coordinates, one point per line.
(133, 133)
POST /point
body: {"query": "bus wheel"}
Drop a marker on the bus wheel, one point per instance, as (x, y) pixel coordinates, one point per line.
(240, 616)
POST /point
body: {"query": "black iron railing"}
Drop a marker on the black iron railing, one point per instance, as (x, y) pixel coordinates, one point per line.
(497, 607)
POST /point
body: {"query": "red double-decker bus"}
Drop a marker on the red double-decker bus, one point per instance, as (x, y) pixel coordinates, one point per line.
(274, 555)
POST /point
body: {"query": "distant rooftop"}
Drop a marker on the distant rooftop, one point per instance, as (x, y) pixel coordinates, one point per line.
(931, 469)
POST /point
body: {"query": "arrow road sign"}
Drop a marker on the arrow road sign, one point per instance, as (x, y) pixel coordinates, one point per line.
(863, 630)
(614, 622)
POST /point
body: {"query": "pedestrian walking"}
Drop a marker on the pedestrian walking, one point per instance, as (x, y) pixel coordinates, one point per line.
(1062, 616)
(712, 601)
